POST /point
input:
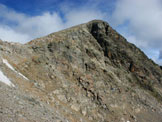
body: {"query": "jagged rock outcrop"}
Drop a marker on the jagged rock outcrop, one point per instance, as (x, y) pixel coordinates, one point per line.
(85, 73)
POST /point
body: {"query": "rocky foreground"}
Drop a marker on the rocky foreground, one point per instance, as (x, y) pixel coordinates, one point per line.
(87, 73)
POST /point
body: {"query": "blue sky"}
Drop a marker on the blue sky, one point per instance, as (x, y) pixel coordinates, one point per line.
(137, 20)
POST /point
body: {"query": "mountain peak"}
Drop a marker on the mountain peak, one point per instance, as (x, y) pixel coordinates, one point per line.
(85, 73)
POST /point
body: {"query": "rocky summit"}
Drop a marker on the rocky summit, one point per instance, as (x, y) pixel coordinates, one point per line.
(87, 73)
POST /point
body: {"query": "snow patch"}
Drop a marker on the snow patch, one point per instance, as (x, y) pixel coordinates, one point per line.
(5, 80)
(11, 67)
(7, 64)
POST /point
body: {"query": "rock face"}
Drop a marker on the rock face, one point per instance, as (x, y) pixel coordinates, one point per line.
(85, 73)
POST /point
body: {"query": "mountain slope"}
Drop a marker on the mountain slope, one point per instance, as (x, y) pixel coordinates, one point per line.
(86, 73)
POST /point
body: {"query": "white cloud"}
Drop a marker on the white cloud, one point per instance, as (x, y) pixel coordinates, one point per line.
(77, 17)
(40, 25)
(143, 19)
(7, 33)
(18, 27)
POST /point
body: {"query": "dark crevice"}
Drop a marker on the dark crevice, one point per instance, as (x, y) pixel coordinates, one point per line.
(99, 30)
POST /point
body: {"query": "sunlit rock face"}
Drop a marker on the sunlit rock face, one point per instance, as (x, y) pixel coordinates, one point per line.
(85, 73)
